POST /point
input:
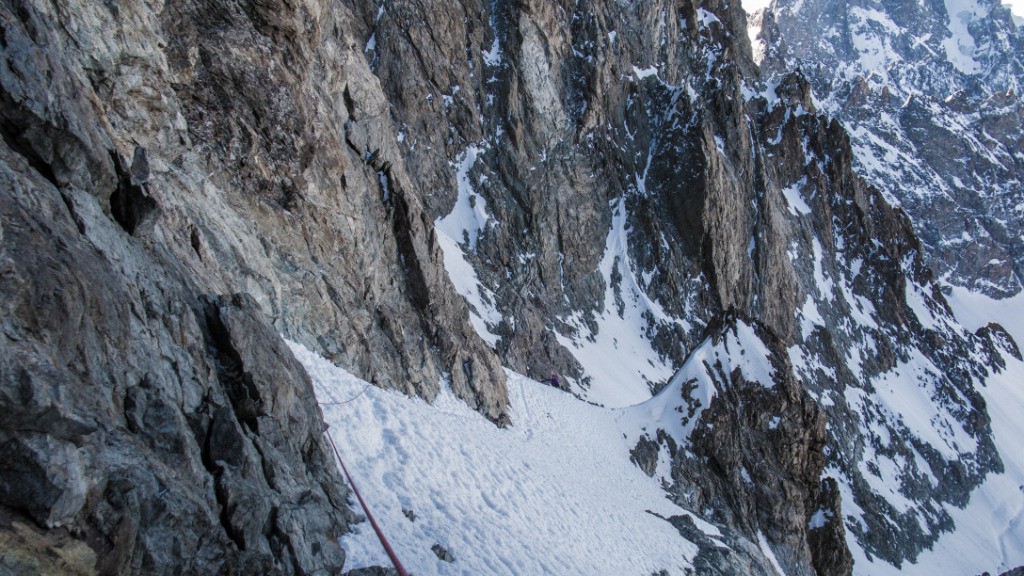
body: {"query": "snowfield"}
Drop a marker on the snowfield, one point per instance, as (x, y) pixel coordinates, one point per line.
(555, 493)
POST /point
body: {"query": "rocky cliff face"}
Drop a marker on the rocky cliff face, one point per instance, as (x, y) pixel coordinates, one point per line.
(146, 427)
(422, 192)
(625, 187)
(156, 157)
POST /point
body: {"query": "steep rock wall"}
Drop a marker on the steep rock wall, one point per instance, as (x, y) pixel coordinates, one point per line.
(155, 157)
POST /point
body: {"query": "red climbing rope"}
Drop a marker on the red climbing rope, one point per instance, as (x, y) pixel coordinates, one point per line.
(380, 535)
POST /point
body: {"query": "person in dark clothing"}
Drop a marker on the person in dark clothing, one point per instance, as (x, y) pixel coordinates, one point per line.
(553, 380)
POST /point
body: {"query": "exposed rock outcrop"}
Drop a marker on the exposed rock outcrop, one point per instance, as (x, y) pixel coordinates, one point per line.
(143, 420)
(156, 154)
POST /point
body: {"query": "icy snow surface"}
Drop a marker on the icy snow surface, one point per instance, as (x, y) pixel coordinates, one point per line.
(767, 551)
(645, 72)
(492, 57)
(960, 45)
(553, 494)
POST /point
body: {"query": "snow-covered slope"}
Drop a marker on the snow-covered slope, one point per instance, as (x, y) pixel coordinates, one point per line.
(560, 492)
(989, 528)
(554, 494)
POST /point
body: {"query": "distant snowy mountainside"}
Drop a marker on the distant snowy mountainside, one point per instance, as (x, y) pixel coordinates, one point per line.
(931, 96)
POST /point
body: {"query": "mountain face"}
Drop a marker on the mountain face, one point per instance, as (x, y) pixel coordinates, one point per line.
(931, 95)
(626, 189)
(424, 192)
(174, 198)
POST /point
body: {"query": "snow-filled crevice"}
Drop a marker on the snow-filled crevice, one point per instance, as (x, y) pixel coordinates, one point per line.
(619, 357)
(457, 234)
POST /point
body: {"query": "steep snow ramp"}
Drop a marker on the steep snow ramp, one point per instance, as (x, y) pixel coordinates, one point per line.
(554, 494)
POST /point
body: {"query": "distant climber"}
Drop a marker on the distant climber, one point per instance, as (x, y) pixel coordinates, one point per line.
(553, 380)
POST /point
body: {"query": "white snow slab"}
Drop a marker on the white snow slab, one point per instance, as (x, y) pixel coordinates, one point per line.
(469, 215)
(553, 494)
(645, 72)
(797, 205)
